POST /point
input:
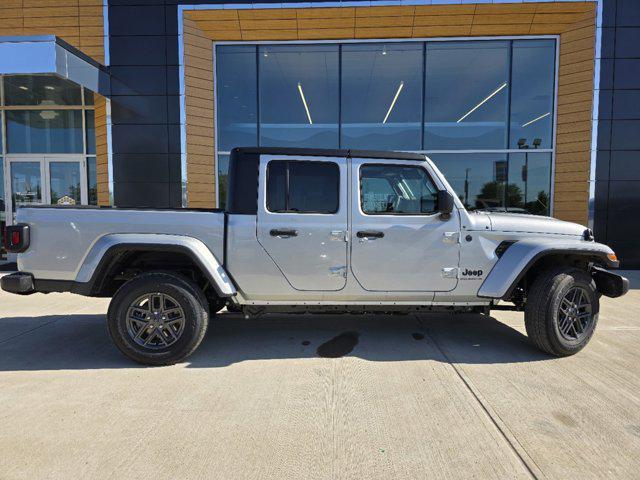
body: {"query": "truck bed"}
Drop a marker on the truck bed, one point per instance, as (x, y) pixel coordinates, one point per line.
(61, 237)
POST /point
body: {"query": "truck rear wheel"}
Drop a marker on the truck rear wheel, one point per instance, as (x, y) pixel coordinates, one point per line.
(562, 311)
(158, 318)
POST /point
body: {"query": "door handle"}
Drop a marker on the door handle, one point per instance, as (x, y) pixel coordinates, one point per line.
(283, 233)
(369, 234)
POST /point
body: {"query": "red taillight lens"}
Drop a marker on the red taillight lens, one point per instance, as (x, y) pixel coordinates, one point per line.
(15, 238)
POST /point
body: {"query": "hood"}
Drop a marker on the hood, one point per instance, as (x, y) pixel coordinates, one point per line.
(515, 222)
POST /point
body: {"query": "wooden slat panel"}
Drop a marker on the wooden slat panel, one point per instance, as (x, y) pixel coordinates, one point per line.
(439, 20)
(568, 79)
(504, 19)
(384, 22)
(442, 31)
(268, 24)
(52, 12)
(578, 34)
(547, 28)
(216, 25)
(8, 13)
(199, 63)
(199, 150)
(584, 66)
(575, 57)
(571, 147)
(200, 93)
(194, 139)
(384, 32)
(270, 35)
(581, 175)
(520, 29)
(326, 34)
(445, 10)
(582, 127)
(567, 18)
(51, 22)
(212, 15)
(385, 11)
(508, 8)
(267, 14)
(324, 23)
(201, 163)
(344, 12)
(577, 45)
(576, 87)
(226, 36)
(561, 7)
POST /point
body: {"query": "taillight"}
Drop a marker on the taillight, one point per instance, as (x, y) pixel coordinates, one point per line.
(16, 238)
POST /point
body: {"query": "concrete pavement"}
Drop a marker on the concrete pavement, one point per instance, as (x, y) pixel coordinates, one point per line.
(435, 396)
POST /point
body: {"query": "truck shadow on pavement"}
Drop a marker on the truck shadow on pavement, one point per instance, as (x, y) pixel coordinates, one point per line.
(79, 342)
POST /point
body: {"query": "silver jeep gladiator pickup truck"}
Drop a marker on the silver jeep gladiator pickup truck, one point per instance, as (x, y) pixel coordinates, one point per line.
(315, 231)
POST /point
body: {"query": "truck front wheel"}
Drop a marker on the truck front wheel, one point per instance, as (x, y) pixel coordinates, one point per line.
(158, 318)
(562, 311)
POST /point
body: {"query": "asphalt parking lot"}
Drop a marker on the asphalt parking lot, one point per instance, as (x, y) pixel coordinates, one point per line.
(318, 397)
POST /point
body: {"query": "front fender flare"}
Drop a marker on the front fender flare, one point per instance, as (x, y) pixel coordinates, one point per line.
(522, 255)
(97, 261)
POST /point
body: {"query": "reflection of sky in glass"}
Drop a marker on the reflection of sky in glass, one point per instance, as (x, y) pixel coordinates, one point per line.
(533, 91)
(236, 96)
(382, 95)
(299, 95)
(466, 95)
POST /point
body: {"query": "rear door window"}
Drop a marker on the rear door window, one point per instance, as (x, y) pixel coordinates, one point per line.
(303, 187)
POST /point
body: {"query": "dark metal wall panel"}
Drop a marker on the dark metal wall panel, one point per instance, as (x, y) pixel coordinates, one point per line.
(144, 104)
(617, 193)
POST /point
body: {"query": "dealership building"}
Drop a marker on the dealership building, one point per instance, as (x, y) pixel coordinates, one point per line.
(526, 106)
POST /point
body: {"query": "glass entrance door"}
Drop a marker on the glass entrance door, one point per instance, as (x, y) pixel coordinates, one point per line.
(64, 181)
(48, 180)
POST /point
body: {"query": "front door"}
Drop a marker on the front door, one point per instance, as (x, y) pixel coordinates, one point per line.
(399, 243)
(48, 180)
(302, 219)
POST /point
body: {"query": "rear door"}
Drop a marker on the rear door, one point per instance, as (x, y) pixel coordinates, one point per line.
(302, 219)
(399, 242)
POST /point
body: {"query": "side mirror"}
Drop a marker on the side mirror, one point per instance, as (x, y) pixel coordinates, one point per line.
(445, 202)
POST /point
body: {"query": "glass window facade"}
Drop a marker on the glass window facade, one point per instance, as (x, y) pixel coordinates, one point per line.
(298, 95)
(44, 131)
(46, 125)
(381, 89)
(483, 110)
(467, 95)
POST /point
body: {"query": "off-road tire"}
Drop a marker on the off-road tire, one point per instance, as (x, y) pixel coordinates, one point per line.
(191, 300)
(542, 311)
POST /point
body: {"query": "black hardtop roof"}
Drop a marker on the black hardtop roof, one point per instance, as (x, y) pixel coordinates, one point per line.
(328, 152)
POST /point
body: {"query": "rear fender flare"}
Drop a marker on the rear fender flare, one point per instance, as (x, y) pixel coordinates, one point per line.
(520, 257)
(99, 258)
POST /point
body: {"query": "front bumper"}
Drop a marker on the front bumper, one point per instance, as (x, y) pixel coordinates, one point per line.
(19, 282)
(609, 283)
